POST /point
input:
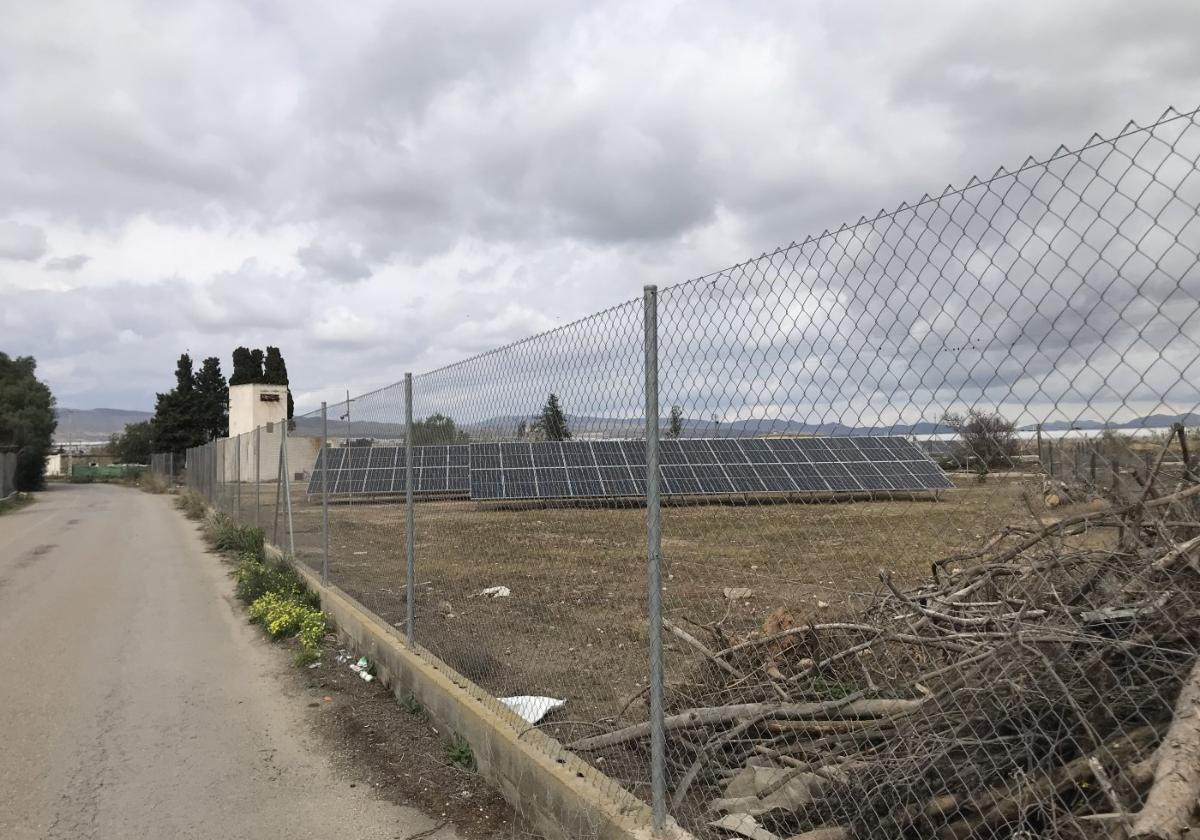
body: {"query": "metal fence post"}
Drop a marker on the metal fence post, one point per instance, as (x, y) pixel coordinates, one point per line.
(257, 476)
(410, 575)
(287, 493)
(324, 495)
(237, 478)
(658, 779)
(278, 492)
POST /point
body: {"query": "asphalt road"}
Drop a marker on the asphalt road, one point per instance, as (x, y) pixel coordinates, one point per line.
(135, 701)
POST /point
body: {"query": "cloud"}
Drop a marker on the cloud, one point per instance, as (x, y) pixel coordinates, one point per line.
(334, 261)
(21, 242)
(71, 263)
(391, 187)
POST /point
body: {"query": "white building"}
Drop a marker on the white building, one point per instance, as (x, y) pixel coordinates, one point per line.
(263, 408)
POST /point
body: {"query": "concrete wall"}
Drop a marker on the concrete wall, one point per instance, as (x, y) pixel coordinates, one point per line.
(301, 453)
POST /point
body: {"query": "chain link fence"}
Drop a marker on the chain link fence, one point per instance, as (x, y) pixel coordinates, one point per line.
(889, 532)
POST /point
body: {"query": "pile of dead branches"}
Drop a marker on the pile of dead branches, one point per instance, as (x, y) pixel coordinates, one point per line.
(1045, 685)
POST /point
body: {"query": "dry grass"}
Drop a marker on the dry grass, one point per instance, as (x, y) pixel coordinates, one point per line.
(575, 624)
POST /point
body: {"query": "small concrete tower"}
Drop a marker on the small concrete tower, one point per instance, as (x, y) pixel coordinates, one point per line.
(255, 406)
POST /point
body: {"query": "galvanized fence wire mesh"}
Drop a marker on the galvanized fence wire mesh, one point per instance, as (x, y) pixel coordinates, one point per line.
(929, 526)
(997, 660)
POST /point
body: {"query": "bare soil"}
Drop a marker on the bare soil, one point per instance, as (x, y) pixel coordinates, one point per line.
(574, 626)
(400, 753)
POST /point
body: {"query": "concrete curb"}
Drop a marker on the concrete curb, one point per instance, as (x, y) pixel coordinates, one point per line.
(561, 795)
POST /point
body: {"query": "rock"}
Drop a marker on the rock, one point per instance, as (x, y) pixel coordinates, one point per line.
(737, 593)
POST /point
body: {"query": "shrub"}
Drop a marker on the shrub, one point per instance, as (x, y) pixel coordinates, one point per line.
(986, 439)
(254, 579)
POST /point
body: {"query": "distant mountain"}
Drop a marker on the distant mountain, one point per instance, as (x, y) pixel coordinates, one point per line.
(505, 426)
(1150, 421)
(94, 424)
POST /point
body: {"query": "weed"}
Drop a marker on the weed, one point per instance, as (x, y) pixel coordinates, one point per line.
(981, 473)
(238, 538)
(460, 754)
(17, 501)
(283, 617)
(193, 505)
(306, 656)
(411, 704)
(152, 483)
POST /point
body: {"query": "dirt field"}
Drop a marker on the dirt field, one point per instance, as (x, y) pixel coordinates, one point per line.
(574, 625)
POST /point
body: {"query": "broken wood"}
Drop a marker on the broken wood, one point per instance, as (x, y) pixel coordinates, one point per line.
(1176, 789)
(844, 709)
(700, 647)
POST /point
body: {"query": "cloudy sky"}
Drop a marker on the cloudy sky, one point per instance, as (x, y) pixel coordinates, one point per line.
(382, 187)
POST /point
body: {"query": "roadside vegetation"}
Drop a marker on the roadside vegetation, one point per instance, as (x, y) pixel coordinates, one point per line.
(27, 421)
(275, 596)
(18, 501)
(192, 504)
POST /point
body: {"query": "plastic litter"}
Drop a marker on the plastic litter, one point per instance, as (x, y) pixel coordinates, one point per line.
(532, 708)
(496, 592)
(361, 667)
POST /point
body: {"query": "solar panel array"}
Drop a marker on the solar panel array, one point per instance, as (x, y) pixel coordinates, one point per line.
(582, 469)
(377, 470)
(617, 468)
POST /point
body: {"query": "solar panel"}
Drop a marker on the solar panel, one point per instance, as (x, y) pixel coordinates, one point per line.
(699, 466)
(379, 470)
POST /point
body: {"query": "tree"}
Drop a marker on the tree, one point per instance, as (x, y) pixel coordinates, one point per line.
(985, 438)
(437, 429)
(212, 399)
(135, 445)
(177, 421)
(552, 424)
(27, 420)
(275, 373)
(256, 366)
(274, 367)
(244, 370)
(676, 427)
